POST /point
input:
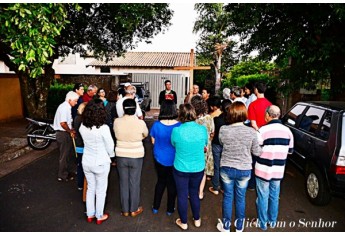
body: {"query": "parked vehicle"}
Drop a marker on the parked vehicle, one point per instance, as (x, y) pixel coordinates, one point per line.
(319, 133)
(143, 94)
(40, 134)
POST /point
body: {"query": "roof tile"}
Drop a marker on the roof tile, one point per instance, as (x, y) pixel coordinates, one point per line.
(147, 59)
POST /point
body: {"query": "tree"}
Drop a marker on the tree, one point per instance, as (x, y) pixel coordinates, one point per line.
(307, 39)
(214, 44)
(33, 35)
(250, 71)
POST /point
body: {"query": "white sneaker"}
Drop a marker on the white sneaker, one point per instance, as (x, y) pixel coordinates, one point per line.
(197, 223)
(220, 227)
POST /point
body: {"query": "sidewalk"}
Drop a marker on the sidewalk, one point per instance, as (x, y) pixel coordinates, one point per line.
(14, 150)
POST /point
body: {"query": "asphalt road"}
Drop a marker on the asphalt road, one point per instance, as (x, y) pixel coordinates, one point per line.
(31, 200)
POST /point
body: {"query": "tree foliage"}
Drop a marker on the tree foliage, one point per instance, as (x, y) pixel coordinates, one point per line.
(33, 35)
(214, 46)
(28, 33)
(250, 71)
(307, 39)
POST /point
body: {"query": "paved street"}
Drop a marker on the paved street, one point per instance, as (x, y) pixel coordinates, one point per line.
(31, 200)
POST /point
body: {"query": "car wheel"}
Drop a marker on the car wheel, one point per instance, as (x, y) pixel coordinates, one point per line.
(316, 186)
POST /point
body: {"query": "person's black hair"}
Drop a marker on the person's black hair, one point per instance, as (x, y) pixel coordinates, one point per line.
(214, 101)
(199, 105)
(260, 86)
(77, 86)
(98, 91)
(167, 81)
(94, 113)
(225, 104)
(129, 106)
(168, 110)
(249, 86)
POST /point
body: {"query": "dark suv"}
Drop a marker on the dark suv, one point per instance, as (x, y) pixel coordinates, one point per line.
(319, 133)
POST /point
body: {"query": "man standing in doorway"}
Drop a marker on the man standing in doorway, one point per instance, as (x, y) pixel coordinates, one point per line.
(64, 134)
(167, 94)
(277, 142)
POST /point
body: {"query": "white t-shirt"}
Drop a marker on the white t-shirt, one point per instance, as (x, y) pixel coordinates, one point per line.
(63, 114)
(119, 108)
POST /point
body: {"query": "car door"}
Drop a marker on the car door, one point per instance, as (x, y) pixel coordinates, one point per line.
(292, 120)
(309, 125)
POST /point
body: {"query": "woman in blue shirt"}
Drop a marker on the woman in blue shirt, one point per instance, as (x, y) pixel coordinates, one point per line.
(189, 140)
(164, 155)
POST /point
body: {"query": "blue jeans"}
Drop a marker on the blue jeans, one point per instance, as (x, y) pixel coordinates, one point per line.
(251, 183)
(235, 184)
(267, 202)
(80, 171)
(187, 184)
(217, 152)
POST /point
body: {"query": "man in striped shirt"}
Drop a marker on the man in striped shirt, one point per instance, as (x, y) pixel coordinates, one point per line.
(277, 142)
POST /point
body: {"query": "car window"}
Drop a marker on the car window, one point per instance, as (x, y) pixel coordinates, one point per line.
(325, 126)
(294, 114)
(311, 120)
(139, 92)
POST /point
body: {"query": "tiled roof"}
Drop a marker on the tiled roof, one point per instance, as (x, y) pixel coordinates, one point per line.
(147, 59)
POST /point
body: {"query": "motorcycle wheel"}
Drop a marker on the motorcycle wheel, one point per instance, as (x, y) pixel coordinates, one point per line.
(38, 143)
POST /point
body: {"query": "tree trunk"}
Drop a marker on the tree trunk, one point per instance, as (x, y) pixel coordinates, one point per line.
(35, 92)
(218, 74)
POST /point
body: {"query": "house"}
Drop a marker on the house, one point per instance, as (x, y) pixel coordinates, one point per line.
(153, 68)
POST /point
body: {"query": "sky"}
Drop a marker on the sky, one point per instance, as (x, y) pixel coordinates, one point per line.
(179, 36)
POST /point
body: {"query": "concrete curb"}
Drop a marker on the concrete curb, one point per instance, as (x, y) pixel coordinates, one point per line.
(13, 148)
(25, 157)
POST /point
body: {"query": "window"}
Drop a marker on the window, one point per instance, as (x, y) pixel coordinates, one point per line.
(326, 126)
(311, 120)
(105, 69)
(294, 114)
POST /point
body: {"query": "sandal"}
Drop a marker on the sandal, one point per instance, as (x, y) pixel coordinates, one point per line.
(180, 224)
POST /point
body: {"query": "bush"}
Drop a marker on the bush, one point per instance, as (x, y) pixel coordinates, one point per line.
(325, 94)
(56, 96)
(242, 80)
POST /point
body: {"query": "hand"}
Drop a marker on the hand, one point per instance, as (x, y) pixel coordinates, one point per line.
(73, 133)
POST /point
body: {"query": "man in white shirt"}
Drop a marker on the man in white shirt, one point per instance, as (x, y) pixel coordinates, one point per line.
(130, 93)
(64, 134)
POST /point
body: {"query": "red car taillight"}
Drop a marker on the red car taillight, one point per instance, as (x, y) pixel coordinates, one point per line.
(339, 168)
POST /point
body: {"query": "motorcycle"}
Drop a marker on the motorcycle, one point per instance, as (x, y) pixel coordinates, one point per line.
(40, 134)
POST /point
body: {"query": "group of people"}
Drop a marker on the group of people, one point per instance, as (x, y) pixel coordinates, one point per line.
(237, 143)
(87, 126)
